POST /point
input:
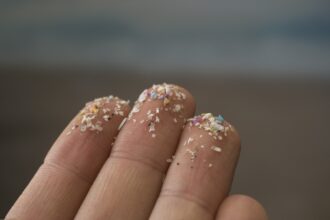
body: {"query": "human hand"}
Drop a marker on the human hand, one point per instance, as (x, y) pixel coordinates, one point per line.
(163, 164)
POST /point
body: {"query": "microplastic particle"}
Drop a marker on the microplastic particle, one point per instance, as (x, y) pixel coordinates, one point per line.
(122, 123)
(215, 148)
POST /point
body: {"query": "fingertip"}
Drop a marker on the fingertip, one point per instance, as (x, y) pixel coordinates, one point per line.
(190, 100)
(98, 113)
(217, 128)
(172, 92)
(241, 207)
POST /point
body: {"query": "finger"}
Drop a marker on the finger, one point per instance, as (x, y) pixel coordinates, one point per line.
(129, 183)
(61, 183)
(200, 176)
(241, 207)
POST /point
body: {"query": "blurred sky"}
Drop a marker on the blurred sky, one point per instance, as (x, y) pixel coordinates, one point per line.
(239, 35)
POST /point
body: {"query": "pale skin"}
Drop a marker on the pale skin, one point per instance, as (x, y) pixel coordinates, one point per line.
(87, 176)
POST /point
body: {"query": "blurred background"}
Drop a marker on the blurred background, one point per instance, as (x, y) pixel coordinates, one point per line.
(265, 65)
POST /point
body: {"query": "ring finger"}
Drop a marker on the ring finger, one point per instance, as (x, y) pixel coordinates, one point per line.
(201, 173)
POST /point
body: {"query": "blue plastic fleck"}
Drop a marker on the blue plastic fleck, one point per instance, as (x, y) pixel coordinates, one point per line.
(153, 95)
(220, 118)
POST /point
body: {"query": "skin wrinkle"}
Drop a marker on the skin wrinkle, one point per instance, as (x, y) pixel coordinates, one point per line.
(48, 164)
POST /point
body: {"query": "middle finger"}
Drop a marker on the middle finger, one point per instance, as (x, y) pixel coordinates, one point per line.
(129, 182)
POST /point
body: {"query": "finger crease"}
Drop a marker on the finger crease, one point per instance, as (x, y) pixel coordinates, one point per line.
(149, 162)
(187, 197)
(67, 169)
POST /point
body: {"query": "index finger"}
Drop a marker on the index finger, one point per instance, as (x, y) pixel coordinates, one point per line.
(62, 181)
